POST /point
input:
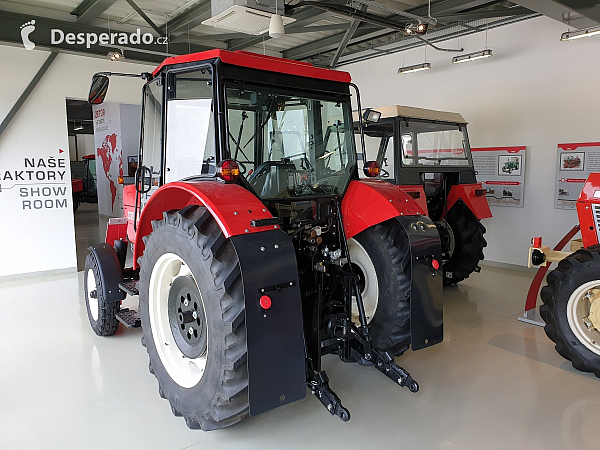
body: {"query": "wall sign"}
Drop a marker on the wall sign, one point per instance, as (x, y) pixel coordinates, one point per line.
(501, 171)
(574, 164)
(36, 184)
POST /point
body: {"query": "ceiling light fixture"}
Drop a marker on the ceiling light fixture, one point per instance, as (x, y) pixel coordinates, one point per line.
(421, 28)
(415, 68)
(472, 56)
(115, 56)
(577, 34)
(276, 28)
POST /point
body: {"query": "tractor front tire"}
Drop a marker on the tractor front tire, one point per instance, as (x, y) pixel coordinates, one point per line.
(572, 298)
(468, 246)
(193, 319)
(381, 257)
(102, 314)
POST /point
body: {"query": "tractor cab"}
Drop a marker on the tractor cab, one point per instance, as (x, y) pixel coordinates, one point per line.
(427, 153)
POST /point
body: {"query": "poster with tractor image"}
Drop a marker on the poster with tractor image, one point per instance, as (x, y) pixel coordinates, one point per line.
(501, 171)
(574, 163)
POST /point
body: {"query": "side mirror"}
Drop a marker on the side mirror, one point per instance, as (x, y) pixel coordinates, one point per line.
(98, 89)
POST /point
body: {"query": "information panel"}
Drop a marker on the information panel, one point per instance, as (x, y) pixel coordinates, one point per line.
(501, 171)
(574, 163)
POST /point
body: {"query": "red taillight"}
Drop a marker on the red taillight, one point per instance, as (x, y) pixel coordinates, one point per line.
(228, 170)
(372, 169)
(435, 264)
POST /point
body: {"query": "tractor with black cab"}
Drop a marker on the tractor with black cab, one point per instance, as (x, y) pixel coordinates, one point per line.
(427, 153)
(255, 242)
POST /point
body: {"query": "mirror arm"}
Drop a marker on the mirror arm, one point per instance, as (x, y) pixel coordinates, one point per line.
(360, 124)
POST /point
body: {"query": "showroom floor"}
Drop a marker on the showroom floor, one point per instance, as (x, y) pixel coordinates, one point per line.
(495, 383)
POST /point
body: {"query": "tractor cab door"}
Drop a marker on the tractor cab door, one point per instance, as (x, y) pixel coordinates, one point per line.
(150, 167)
(190, 125)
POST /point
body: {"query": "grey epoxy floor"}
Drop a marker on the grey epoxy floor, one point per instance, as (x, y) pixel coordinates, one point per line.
(495, 383)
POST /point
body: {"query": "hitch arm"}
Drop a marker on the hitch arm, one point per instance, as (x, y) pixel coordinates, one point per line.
(319, 386)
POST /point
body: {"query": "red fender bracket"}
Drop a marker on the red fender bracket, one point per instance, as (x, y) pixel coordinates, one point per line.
(232, 206)
(474, 197)
(369, 202)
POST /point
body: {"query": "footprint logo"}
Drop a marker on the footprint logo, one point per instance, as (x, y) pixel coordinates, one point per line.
(26, 29)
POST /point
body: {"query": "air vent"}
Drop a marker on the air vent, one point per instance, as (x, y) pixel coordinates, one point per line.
(244, 20)
(596, 210)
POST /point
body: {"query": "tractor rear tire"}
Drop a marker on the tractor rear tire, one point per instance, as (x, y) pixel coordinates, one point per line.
(565, 305)
(468, 244)
(193, 319)
(384, 250)
(102, 314)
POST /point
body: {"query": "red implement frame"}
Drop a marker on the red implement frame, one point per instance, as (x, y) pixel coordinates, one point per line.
(534, 289)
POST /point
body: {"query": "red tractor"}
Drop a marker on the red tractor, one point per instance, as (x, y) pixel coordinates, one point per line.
(571, 299)
(427, 153)
(245, 218)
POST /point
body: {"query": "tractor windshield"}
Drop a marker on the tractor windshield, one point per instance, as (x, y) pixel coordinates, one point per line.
(426, 143)
(290, 145)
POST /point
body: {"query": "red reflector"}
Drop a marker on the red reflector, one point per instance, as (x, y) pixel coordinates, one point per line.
(435, 264)
(265, 302)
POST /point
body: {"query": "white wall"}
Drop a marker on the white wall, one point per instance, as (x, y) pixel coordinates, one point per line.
(535, 91)
(43, 240)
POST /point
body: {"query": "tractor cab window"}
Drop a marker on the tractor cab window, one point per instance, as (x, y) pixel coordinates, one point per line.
(152, 144)
(379, 146)
(434, 143)
(290, 145)
(190, 125)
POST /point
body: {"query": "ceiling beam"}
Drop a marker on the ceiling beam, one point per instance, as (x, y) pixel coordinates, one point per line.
(345, 40)
(189, 19)
(328, 43)
(28, 90)
(89, 10)
(587, 8)
(144, 16)
(559, 11)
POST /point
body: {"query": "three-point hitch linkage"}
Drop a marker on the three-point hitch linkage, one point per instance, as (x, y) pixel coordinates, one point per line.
(351, 342)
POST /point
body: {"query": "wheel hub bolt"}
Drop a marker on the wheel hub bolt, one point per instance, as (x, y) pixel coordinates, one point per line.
(195, 314)
(191, 330)
(186, 302)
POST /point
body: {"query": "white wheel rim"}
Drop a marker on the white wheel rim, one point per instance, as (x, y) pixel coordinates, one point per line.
(184, 371)
(578, 308)
(92, 302)
(370, 293)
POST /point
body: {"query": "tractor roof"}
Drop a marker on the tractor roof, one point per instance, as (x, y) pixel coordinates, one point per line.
(260, 62)
(419, 113)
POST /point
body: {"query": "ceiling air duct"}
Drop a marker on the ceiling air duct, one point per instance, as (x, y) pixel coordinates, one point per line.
(245, 16)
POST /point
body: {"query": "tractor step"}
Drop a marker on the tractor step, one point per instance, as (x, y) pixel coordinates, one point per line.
(129, 286)
(129, 318)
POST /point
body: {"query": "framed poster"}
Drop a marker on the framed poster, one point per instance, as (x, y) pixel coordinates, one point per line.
(574, 164)
(501, 172)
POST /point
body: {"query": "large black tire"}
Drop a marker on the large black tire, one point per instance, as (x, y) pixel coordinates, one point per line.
(468, 244)
(388, 248)
(219, 397)
(102, 314)
(576, 274)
